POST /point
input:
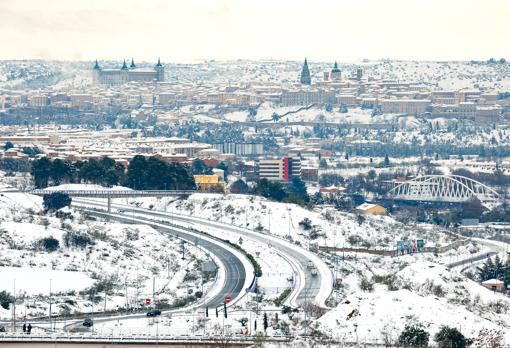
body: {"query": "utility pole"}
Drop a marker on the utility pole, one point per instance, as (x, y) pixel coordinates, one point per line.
(14, 309)
(288, 210)
(154, 290)
(49, 314)
(269, 211)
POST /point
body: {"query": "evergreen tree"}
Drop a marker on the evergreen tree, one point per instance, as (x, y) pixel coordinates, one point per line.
(450, 337)
(59, 171)
(239, 186)
(414, 336)
(386, 161)
(266, 323)
(56, 200)
(41, 170)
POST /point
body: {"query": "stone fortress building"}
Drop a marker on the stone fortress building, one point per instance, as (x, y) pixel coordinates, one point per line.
(126, 74)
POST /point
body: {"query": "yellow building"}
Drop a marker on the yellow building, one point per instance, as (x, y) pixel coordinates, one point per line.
(371, 209)
(210, 183)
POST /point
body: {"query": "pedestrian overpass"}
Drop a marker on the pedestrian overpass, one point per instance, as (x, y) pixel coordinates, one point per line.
(109, 194)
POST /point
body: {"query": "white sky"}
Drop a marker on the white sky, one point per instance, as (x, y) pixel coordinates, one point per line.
(326, 30)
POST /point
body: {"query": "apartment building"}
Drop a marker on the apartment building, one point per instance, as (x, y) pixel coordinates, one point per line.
(282, 169)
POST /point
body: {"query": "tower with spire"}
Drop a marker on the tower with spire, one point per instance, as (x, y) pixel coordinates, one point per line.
(132, 66)
(96, 73)
(160, 70)
(336, 73)
(305, 75)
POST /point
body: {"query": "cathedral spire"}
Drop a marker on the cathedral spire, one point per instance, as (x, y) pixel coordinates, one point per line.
(132, 66)
(305, 74)
(159, 62)
(96, 66)
(124, 66)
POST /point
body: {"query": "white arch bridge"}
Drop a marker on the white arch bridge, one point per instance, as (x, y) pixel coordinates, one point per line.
(444, 188)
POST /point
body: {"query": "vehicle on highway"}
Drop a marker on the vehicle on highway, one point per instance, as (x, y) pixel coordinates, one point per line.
(153, 313)
(279, 333)
(88, 322)
(2, 328)
(310, 265)
(314, 272)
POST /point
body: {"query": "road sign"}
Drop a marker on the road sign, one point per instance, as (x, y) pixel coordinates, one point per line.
(227, 299)
(336, 259)
(147, 301)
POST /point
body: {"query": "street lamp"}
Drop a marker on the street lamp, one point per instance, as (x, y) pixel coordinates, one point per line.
(49, 314)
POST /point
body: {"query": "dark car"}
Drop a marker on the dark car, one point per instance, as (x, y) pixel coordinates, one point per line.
(153, 313)
(88, 322)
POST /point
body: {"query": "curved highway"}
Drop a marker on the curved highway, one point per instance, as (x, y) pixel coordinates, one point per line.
(237, 272)
(308, 287)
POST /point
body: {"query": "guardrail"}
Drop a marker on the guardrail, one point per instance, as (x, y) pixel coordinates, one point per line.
(113, 193)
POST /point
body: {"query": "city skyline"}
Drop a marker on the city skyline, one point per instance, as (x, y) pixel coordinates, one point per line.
(224, 30)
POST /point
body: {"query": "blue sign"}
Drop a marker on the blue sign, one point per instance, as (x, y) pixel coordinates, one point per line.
(336, 259)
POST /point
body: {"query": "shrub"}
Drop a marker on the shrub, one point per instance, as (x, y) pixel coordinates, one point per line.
(306, 224)
(49, 244)
(414, 336)
(56, 201)
(366, 285)
(279, 300)
(72, 239)
(451, 337)
(5, 299)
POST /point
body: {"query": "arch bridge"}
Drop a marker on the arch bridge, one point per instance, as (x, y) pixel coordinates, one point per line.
(444, 188)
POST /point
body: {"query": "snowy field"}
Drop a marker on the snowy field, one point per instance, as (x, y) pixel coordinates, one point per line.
(127, 259)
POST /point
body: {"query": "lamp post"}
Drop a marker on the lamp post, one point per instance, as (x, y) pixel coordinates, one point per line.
(49, 314)
(14, 308)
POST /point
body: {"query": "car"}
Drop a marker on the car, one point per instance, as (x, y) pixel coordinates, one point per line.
(310, 265)
(153, 313)
(88, 322)
(2, 328)
(314, 272)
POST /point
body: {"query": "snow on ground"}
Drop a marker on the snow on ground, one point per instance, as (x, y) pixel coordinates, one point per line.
(35, 280)
(421, 289)
(78, 187)
(129, 259)
(332, 227)
(422, 292)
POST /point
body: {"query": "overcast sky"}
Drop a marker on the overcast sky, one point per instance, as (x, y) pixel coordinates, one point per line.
(326, 30)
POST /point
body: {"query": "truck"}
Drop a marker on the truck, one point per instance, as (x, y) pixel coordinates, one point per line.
(310, 265)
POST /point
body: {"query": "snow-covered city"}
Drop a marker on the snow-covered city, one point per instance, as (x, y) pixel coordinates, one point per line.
(254, 174)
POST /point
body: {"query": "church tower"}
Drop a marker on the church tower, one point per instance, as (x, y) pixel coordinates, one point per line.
(336, 73)
(96, 73)
(160, 71)
(305, 75)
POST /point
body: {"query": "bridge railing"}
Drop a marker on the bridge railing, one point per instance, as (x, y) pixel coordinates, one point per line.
(106, 193)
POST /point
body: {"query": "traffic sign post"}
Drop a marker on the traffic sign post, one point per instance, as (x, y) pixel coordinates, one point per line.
(147, 301)
(227, 299)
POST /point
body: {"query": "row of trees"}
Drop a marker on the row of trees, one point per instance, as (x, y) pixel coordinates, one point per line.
(293, 192)
(447, 337)
(142, 173)
(495, 270)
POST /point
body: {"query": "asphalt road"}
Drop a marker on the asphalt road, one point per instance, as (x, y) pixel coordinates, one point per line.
(312, 284)
(235, 274)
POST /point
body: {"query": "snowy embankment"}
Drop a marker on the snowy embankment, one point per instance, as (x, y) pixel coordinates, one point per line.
(421, 289)
(81, 258)
(421, 293)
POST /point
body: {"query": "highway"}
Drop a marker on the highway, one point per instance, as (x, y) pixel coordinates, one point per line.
(238, 272)
(307, 289)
